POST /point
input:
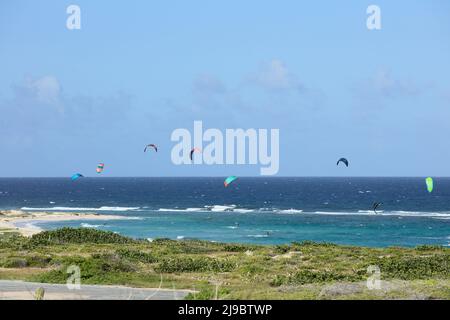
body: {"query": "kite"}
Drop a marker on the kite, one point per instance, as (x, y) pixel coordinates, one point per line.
(192, 152)
(429, 182)
(100, 167)
(375, 206)
(229, 180)
(343, 160)
(151, 146)
(76, 176)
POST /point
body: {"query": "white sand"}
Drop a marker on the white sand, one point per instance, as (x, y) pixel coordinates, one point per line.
(23, 222)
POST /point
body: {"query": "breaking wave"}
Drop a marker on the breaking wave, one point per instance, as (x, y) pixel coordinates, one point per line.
(121, 209)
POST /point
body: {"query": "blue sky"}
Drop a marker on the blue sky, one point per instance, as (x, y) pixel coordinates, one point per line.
(136, 71)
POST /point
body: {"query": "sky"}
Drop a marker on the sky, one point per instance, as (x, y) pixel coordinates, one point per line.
(136, 71)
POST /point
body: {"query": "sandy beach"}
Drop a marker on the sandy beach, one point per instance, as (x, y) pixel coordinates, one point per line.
(24, 222)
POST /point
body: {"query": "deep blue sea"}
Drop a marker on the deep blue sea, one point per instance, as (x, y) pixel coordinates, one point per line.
(251, 210)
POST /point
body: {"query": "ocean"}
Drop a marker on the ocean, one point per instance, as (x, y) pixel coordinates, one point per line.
(275, 210)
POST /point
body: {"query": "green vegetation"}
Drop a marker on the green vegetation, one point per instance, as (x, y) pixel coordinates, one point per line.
(39, 294)
(80, 235)
(305, 270)
(194, 264)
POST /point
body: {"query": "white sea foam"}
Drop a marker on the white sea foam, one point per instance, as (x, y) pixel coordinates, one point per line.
(420, 214)
(437, 215)
(213, 208)
(219, 208)
(291, 211)
(233, 208)
(370, 211)
(182, 210)
(243, 210)
(90, 226)
(81, 209)
(336, 213)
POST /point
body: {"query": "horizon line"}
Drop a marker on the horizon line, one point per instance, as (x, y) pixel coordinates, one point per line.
(218, 176)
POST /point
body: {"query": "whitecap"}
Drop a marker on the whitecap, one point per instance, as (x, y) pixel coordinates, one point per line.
(104, 208)
(291, 211)
(90, 226)
(243, 210)
(181, 210)
(437, 215)
(220, 208)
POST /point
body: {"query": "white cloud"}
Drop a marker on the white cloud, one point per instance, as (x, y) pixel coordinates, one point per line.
(208, 93)
(382, 83)
(45, 91)
(207, 84)
(275, 75)
(39, 107)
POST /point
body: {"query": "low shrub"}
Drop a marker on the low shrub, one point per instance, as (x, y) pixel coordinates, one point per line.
(307, 276)
(78, 236)
(236, 248)
(197, 264)
(314, 243)
(93, 269)
(428, 247)
(12, 240)
(136, 255)
(38, 261)
(14, 262)
(408, 268)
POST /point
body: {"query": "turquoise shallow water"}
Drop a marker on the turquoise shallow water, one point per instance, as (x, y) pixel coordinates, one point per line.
(251, 210)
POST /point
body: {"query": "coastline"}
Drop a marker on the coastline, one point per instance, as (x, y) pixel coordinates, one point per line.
(23, 221)
(252, 211)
